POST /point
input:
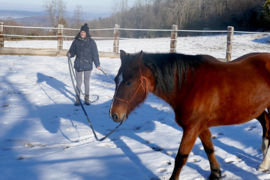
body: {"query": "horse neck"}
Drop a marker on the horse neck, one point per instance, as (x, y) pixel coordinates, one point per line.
(147, 73)
(178, 91)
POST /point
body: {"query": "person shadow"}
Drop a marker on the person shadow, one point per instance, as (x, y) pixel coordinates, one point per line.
(55, 84)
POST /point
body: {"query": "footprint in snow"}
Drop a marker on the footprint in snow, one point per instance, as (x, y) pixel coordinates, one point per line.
(250, 128)
(23, 157)
(154, 147)
(217, 135)
(34, 144)
(166, 163)
(162, 170)
(233, 159)
(138, 128)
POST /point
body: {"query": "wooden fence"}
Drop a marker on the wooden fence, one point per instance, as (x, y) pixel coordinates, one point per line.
(60, 36)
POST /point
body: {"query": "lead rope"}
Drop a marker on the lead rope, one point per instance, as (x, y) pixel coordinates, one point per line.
(72, 74)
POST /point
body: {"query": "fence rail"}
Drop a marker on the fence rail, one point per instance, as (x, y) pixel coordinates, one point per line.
(59, 35)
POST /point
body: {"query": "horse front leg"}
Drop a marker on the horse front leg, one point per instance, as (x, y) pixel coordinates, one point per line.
(187, 142)
(205, 137)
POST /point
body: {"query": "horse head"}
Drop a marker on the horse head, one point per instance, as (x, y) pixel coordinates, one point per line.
(131, 88)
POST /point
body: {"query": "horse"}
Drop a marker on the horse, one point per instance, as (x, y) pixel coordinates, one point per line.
(202, 91)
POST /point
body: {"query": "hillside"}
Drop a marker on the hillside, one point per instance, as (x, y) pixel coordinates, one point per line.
(41, 18)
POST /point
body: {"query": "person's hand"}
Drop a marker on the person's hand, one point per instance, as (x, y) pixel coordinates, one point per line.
(99, 68)
(68, 54)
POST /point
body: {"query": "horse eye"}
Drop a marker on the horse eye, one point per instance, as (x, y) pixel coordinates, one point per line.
(127, 83)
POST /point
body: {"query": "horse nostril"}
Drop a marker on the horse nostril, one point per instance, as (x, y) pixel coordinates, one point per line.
(115, 117)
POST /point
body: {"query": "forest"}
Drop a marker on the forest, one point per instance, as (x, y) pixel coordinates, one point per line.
(188, 14)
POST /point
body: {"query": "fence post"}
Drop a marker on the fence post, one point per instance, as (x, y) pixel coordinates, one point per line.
(1, 34)
(60, 37)
(173, 38)
(229, 43)
(116, 38)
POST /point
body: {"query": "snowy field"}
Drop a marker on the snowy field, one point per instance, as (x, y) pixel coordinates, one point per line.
(43, 136)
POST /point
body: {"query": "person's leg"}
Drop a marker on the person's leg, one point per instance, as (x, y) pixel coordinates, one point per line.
(78, 86)
(87, 75)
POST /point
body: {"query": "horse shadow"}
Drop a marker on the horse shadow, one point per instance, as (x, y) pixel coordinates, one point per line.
(262, 40)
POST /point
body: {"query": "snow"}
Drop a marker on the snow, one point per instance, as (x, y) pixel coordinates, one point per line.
(212, 45)
(43, 136)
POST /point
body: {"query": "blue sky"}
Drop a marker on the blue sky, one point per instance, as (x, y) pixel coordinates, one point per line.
(89, 6)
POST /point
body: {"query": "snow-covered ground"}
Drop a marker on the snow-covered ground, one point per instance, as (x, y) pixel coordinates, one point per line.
(43, 136)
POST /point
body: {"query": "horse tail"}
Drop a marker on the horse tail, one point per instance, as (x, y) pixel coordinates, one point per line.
(264, 120)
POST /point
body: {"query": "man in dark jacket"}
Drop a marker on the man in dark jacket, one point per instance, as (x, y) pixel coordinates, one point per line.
(85, 50)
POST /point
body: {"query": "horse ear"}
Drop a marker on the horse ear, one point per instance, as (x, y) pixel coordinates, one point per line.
(140, 54)
(122, 54)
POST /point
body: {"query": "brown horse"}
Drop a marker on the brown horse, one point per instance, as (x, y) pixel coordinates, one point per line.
(202, 91)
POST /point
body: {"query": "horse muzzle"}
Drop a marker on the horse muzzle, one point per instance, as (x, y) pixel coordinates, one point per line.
(118, 118)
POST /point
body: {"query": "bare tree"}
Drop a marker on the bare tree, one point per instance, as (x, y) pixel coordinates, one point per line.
(119, 9)
(77, 17)
(56, 10)
(181, 10)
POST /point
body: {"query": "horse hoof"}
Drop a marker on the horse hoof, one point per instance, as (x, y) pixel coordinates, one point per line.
(214, 178)
(215, 175)
(261, 168)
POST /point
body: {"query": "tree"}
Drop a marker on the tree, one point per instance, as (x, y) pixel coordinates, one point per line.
(77, 17)
(181, 9)
(266, 9)
(187, 14)
(56, 10)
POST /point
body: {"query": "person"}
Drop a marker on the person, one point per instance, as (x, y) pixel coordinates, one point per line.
(86, 52)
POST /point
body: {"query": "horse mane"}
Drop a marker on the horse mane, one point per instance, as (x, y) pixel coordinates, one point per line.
(164, 66)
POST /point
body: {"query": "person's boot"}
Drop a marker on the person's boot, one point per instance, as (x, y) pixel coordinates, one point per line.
(86, 100)
(77, 102)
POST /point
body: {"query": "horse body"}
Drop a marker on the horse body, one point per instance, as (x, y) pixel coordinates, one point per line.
(202, 91)
(224, 93)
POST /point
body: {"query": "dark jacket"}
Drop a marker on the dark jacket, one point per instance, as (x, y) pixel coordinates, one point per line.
(86, 53)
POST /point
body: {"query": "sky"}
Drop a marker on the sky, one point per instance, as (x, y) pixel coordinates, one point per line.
(89, 6)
